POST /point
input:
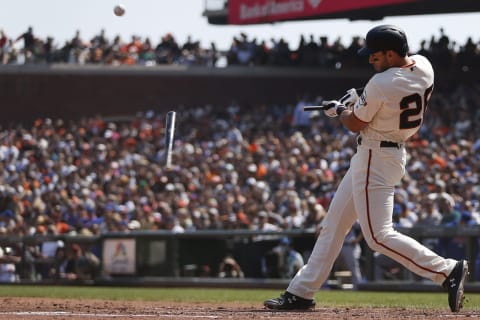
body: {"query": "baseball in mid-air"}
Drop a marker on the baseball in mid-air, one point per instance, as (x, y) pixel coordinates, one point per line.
(119, 10)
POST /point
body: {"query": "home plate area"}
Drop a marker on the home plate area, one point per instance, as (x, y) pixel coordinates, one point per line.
(69, 309)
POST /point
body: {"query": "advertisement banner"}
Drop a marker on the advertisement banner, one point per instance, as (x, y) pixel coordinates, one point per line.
(260, 11)
(119, 256)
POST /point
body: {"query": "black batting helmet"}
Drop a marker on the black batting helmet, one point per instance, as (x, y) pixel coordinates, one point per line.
(385, 37)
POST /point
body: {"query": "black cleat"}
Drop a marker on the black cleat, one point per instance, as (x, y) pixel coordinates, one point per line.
(288, 301)
(454, 284)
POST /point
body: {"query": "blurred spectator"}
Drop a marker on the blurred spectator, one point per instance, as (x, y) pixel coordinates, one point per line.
(350, 254)
(28, 45)
(280, 54)
(48, 50)
(315, 214)
(78, 265)
(133, 50)
(282, 261)
(212, 55)
(168, 50)
(229, 268)
(113, 54)
(402, 216)
(429, 216)
(263, 224)
(450, 216)
(78, 49)
(98, 47)
(3, 47)
(59, 268)
(8, 261)
(10, 53)
(146, 55)
(301, 118)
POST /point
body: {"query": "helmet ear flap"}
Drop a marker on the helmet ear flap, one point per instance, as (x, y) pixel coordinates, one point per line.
(405, 50)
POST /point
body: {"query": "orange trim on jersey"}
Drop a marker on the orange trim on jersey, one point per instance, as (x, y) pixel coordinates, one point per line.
(371, 228)
(409, 65)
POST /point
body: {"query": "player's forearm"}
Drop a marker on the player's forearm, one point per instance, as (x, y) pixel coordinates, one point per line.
(347, 118)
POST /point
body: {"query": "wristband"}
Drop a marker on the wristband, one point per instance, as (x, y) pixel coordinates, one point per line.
(340, 109)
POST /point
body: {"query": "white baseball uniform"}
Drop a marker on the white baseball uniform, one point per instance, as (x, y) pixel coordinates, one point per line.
(392, 104)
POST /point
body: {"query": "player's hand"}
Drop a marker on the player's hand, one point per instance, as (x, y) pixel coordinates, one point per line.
(333, 108)
(350, 98)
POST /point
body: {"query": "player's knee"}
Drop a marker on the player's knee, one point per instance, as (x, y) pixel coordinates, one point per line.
(377, 241)
(372, 244)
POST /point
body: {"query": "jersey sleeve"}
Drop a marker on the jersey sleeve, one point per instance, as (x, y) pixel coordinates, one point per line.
(369, 103)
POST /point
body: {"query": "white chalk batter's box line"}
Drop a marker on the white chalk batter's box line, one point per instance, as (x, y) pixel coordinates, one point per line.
(103, 315)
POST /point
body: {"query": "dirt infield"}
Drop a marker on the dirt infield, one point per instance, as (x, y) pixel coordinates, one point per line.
(43, 308)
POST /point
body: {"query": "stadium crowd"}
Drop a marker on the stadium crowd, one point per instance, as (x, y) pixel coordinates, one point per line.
(267, 170)
(274, 168)
(309, 52)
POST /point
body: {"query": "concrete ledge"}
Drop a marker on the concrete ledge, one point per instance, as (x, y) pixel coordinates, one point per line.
(412, 286)
(245, 283)
(281, 284)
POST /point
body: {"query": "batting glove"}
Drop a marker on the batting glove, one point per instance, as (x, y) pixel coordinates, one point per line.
(350, 98)
(333, 108)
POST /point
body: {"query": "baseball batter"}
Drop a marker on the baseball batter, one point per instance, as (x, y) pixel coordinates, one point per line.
(388, 112)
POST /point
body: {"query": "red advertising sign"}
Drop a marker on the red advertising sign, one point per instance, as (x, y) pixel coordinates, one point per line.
(259, 11)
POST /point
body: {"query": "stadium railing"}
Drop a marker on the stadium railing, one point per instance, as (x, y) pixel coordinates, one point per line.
(193, 258)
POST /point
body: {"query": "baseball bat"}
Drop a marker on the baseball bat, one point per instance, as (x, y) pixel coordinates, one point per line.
(313, 108)
(169, 136)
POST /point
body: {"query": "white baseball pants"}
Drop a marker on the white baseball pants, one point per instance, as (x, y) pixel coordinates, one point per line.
(366, 192)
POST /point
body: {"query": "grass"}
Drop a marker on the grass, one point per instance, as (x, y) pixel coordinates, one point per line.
(324, 297)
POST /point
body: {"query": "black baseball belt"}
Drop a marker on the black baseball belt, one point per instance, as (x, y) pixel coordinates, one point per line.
(383, 143)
